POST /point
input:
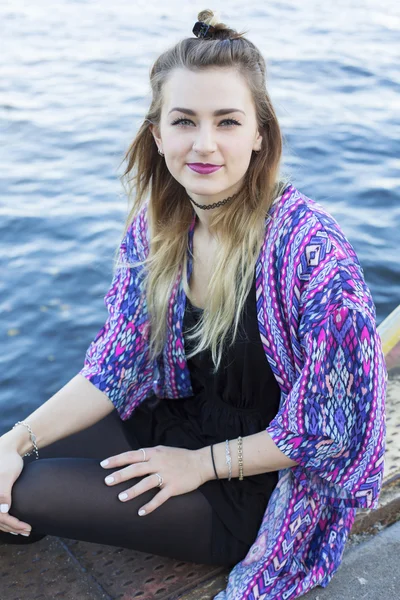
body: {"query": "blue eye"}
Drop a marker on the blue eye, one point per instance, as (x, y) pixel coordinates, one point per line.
(181, 121)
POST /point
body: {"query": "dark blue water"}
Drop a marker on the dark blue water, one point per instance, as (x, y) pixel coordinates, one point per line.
(73, 89)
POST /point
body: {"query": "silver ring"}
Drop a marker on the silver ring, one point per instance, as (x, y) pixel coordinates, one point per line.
(144, 454)
(160, 480)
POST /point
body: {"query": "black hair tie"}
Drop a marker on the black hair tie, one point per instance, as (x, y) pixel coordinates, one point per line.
(202, 30)
(212, 456)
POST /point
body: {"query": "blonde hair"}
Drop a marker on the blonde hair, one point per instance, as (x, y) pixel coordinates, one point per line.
(240, 224)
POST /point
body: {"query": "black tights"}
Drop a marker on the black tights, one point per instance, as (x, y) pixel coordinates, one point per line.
(64, 494)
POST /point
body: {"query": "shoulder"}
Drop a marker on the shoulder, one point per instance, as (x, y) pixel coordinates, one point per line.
(299, 217)
(313, 253)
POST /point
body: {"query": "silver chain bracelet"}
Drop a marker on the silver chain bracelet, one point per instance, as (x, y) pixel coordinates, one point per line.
(228, 459)
(33, 438)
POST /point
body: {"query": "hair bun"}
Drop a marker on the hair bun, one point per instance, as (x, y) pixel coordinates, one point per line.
(209, 26)
(209, 17)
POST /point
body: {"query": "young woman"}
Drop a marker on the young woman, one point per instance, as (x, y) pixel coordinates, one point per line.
(237, 387)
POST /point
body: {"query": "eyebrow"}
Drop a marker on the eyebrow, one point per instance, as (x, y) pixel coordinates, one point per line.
(216, 113)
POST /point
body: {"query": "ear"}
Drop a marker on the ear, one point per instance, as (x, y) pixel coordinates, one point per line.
(156, 134)
(258, 142)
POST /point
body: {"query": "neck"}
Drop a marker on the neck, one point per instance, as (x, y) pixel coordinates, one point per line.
(203, 208)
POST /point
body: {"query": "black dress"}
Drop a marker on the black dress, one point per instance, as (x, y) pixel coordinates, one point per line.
(241, 399)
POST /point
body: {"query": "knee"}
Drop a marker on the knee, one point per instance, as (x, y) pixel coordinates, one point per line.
(26, 489)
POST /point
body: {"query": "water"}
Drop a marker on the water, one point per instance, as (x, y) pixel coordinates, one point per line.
(73, 89)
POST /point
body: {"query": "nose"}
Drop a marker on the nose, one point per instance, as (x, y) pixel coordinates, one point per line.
(204, 142)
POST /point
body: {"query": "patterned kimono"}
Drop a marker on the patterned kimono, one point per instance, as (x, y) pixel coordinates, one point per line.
(317, 325)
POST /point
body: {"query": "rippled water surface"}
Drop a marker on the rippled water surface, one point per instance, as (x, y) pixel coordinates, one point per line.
(73, 90)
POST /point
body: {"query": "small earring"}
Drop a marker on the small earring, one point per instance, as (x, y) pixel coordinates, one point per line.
(159, 152)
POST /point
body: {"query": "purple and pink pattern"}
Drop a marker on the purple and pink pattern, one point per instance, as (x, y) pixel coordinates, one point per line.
(316, 320)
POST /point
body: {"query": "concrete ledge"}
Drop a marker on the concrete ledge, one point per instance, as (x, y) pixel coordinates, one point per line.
(388, 511)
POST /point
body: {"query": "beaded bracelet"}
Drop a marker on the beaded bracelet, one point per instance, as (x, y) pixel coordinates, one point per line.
(240, 457)
(33, 438)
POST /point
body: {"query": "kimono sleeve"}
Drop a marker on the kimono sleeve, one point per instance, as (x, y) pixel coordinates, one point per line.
(116, 361)
(332, 421)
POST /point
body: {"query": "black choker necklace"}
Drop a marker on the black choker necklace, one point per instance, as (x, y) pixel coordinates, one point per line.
(216, 204)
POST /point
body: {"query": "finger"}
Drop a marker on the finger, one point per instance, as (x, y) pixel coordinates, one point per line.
(8, 530)
(144, 485)
(5, 530)
(119, 460)
(15, 525)
(129, 472)
(155, 503)
(10, 523)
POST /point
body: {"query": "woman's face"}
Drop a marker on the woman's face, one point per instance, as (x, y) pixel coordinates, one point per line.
(190, 131)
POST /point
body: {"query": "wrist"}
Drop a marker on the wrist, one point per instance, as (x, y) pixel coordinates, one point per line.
(17, 439)
(206, 468)
(206, 463)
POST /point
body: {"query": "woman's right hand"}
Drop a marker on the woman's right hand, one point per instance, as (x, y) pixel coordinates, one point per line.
(11, 465)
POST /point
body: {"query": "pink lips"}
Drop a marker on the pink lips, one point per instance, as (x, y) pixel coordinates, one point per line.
(203, 169)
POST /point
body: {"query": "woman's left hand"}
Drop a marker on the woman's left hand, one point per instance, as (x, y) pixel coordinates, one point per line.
(179, 468)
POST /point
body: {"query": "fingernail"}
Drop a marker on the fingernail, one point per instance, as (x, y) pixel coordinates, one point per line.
(141, 512)
(109, 479)
(104, 463)
(4, 508)
(13, 533)
(25, 534)
(123, 496)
